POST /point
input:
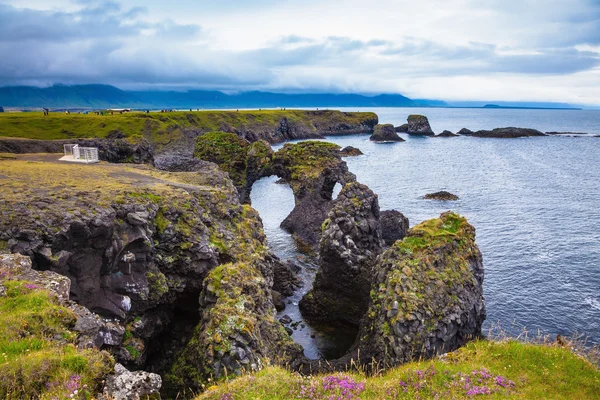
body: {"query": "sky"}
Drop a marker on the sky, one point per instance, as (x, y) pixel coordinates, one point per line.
(505, 50)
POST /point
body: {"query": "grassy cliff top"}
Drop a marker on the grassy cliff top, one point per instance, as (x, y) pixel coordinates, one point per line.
(162, 127)
(25, 177)
(481, 369)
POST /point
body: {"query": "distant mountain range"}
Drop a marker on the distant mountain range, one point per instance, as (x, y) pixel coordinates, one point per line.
(105, 96)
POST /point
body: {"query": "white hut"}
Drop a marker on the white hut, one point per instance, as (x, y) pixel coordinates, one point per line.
(75, 153)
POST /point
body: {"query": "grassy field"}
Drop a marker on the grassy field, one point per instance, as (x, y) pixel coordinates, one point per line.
(161, 127)
(490, 369)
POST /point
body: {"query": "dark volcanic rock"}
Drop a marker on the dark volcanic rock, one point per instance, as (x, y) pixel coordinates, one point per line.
(508, 133)
(312, 169)
(394, 226)
(385, 133)
(350, 151)
(465, 131)
(351, 240)
(419, 125)
(285, 277)
(444, 263)
(442, 195)
(446, 134)
(402, 128)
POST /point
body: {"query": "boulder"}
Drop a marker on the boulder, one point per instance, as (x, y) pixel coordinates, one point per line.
(394, 226)
(402, 128)
(126, 385)
(427, 294)
(350, 151)
(385, 133)
(465, 131)
(446, 134)
(419, 125)
(350, 242)
(442, 195)
(510, 132)
(285, 277)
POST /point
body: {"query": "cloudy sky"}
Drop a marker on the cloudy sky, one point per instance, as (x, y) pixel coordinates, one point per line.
(514, 50)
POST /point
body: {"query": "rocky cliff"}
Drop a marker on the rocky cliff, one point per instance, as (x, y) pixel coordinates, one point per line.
(426, 294)
(350, 242)
(140, 247)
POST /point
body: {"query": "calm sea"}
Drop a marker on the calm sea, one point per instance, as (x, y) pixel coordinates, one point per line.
(535, 203)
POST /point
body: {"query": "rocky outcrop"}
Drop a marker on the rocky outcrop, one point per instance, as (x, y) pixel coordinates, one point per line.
(111, 150)
(350, 242)
(402, 128)
(508, 133)
(465, 131)
(350, 151)
(285, 277)
(312, 170)
(427, 294)
(419, 125)
(394, 226)
(238, 330)
(446, 134)
(125, 385)
(385, 133)
(442, 195)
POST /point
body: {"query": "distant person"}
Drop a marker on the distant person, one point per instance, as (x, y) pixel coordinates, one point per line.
(1, 109)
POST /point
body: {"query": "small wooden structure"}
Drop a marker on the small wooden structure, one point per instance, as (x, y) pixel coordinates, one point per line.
(75, 153)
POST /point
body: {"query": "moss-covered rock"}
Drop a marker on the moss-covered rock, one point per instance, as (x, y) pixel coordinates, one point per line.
(384, 133)
(427, 294)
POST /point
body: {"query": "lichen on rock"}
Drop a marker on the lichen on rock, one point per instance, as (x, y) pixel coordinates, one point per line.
(427, 294)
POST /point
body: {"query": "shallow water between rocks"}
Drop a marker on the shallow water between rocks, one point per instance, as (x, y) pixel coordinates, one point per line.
(535, 203)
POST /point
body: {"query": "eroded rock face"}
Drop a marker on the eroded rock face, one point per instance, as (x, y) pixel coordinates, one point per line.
(385, 133)
(350, 242)
(427, 294)
(312, 170)
(419, 125)
(238, 330)
(125, 385)
(394, 226)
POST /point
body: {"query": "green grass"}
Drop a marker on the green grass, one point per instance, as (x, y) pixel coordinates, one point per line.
(38, 357)
(161, 128)
(537, 371)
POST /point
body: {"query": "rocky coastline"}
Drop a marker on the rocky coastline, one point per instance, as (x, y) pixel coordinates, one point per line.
(165, 272)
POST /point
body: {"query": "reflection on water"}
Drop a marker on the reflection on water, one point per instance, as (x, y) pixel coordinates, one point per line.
(274, 202)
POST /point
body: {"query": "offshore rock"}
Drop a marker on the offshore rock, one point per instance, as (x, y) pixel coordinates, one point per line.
(427, 294)
(350, 243)
(419, 125)
(442, 195)
(402, 128)
(465, 131)
(350, 151)
(385, 133)
(394, 226)
(446, 134)
(510, 132)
